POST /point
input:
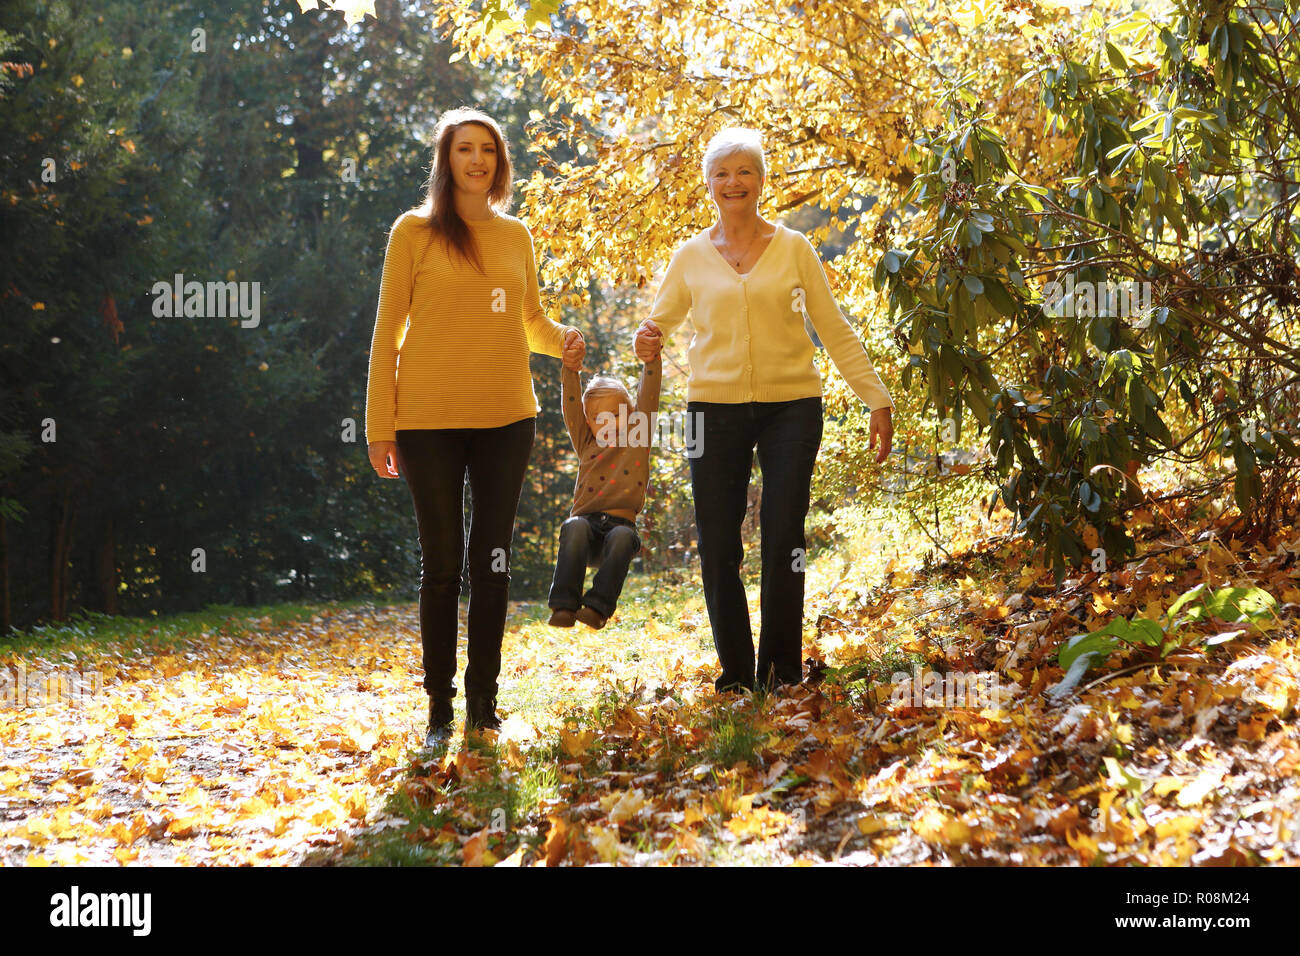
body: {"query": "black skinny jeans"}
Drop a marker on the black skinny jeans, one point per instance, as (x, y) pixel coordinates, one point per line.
(598, 538)
(787, 436)
(434, 462)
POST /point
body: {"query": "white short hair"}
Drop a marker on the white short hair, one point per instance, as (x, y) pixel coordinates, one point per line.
(736, 139)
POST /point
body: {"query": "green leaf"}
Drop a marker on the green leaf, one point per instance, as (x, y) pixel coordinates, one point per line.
(1140, 630)
(1117, 361)
(1101, 642)
(1121, 776)
(1147, 121)
(1000, 297)
(878, 276)
(1239, 605)
(1096, 644)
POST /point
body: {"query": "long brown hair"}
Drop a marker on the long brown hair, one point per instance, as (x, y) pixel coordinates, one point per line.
(439, 206)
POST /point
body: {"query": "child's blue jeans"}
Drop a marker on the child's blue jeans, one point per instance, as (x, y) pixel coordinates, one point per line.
(597, 539)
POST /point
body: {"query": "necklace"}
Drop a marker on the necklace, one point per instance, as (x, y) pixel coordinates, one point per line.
(741, 258)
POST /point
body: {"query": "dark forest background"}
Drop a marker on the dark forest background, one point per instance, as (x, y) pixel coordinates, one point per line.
(226, 162)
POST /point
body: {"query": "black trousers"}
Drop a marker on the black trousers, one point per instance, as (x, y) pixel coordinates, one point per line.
(607, 541)
(434, 462)
(787, 436)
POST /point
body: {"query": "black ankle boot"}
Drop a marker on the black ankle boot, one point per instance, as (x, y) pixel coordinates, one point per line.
(481, 714)
(441, 717)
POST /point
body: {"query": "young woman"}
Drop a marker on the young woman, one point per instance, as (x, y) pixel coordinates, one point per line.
(748, 284)
(461, 400)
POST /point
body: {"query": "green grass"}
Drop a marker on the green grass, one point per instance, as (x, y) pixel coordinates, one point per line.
(392, 846)
(881, 661)
(509, 797)
(503, 796)
(90, 630)
(734, 737)
(505, 803)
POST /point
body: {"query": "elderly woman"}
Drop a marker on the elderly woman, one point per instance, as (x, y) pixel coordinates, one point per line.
(749, 284)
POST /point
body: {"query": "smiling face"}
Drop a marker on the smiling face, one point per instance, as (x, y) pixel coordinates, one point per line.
(735, 183)
(604, 410)
(473, 158)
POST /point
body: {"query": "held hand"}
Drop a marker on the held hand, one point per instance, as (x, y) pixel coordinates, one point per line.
(649, 340)
(882, 427)
(385, 459)
(575, 350)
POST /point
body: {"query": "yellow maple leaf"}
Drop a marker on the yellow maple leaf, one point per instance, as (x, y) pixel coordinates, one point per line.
(759, 822)
(622, 805)
(1196, 791)
(575, 742)
(606, 843)
(475, 852)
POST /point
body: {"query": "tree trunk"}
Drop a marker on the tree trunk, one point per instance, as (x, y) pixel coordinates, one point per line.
(6, 612)
(309, 136)
(106, 568)
(60, 539)
(250, 586)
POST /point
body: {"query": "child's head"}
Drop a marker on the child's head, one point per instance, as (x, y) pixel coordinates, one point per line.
(605, 401)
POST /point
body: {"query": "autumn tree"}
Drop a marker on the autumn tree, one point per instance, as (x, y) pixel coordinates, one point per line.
(1021, 158)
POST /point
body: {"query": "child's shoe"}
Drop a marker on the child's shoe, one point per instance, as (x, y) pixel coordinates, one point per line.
(562, 617)
(591, 617)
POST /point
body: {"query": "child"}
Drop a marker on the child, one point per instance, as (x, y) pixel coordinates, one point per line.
(613, 442)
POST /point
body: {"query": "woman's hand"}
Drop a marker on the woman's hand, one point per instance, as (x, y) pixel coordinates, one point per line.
(575, 350)
(649, 340)
(882, 427)
(385, 459)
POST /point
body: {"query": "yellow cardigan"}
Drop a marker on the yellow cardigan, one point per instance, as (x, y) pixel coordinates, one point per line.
(750, 343)
(463, 360)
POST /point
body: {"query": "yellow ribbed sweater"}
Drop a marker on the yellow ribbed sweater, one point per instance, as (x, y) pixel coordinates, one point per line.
(463, 360)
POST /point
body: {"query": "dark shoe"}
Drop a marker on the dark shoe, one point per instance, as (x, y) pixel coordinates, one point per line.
(734, 687)
(776, 684)
(441, 717)
(481, 714)
(591, 617)
(562, 617)
(783, 689)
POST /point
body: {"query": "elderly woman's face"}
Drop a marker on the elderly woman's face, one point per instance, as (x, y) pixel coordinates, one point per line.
(734, 183)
